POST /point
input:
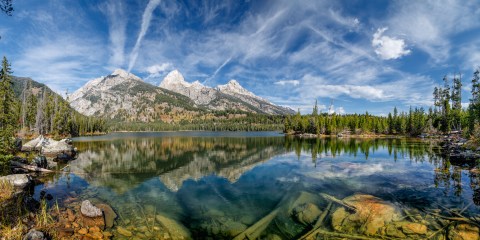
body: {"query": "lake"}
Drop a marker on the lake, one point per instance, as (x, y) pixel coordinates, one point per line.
(217, 184)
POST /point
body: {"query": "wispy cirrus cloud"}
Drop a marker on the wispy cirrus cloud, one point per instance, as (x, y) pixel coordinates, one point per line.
(147, 17)
(287, 51)
(117, 24)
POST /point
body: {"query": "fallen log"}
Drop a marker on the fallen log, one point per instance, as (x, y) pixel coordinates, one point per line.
(318, 223)
(338, 201)
(346, 236)
(29, 167)
(256, 229)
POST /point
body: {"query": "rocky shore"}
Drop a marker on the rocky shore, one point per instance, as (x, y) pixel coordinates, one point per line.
(459, 149)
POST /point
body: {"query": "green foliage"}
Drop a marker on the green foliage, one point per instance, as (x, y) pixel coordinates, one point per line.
(446, 115)
(250, 122)
(8, 109)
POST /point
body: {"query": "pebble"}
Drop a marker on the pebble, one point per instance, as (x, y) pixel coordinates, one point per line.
(124, 232)
(83, 231)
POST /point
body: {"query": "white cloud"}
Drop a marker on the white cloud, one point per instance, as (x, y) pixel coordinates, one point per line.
(147, 17)
(159, 68)
(340, 110)
(117, 23)
(431, 24)
(388, 47)
(288, 82)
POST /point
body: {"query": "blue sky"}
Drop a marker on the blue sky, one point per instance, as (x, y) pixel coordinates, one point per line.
(362, 55)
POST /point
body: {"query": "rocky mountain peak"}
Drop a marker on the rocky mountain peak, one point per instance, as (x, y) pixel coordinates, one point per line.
(234, 87)
(173, 78)
(124, 74)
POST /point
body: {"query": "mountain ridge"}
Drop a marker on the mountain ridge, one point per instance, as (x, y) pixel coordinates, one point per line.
(126, 97)
(210, 96)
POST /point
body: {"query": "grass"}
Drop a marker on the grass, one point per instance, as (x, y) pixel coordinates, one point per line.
(6, 190)
(15, 232)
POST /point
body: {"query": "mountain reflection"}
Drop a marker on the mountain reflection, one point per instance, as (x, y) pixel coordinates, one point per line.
(123, 163)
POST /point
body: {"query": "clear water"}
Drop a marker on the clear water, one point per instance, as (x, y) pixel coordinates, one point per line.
(208, 180)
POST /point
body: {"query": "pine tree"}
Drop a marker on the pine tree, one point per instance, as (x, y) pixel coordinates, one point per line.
(8, 111)
(474, 107)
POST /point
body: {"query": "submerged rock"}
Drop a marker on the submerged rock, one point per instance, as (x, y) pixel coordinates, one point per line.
(174, 228)
(124, 232)
(109, 214)
(371, 214)
(18, 180)
(403, 229)
(33, 234)
(306, 213)
(463, 231)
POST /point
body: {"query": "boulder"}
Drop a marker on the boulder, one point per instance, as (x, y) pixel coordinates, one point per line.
(62, 148)
(371, 215)
(306, 213)
(463, 231)
(34, 235)
(18, 180)
(33, 145)
(174, 228)
(40, 161)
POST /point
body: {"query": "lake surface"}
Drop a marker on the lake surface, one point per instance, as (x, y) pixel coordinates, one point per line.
(217, 184)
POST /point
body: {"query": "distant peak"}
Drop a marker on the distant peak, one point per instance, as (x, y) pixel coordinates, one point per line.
(124, 74)
(119, 71)
(173, 77)
(233, 82)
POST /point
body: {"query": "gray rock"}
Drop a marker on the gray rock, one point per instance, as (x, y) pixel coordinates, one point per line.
(34, 235)
(18, 180)
(52, 148)
(40, 161)
(89, 210)
(34, 145)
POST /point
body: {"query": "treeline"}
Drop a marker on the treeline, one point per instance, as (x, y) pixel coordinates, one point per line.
(49, 113)
(37, 110)
(250, 122)
(446, 115)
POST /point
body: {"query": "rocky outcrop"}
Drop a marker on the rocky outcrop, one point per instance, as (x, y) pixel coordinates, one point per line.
(33, 145)
(50, 148)
(58, 149)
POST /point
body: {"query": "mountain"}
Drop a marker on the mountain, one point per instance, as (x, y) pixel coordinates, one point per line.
(126, 97)
(229, 96)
